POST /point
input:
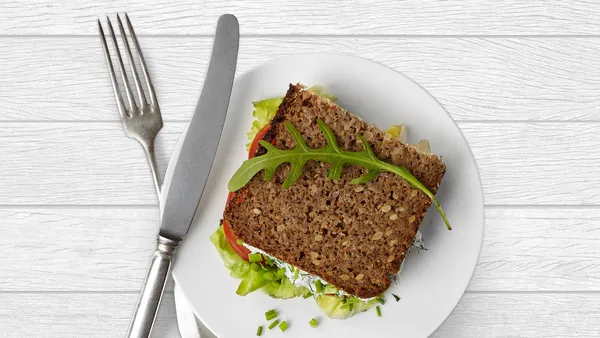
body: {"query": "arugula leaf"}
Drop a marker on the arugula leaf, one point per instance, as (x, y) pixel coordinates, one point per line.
(331, 153)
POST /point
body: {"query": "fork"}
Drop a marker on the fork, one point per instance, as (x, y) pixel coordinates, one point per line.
(141, 121)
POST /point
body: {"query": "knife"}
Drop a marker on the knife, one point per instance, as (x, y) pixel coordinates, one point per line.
(191, 171)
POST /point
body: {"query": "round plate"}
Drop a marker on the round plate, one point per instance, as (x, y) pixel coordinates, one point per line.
(431, 283)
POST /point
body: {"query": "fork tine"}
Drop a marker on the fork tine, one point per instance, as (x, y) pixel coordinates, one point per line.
(136, 78)
(128, 91)
(111, 72)
(153, 99)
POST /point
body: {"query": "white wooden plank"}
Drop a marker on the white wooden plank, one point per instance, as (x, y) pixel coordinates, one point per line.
(477, 315)
(97, 249)
(76, 249)
(310, 17)
(44, 78)
(78, 315)
(524, 315)
(94, 163)
(539, 250)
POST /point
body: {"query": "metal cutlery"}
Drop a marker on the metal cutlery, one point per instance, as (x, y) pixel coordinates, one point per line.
(193, 165)
(141, 121)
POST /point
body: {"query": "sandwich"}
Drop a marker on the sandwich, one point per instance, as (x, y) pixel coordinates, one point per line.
(327, 206)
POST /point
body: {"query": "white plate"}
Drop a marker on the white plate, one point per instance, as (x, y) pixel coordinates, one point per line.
(431, 283)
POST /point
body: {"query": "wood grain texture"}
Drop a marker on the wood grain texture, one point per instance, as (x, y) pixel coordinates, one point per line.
(78, 208)
(109, 249)
(94, 163)
(500, 79)
(512, 17)
(477, 315)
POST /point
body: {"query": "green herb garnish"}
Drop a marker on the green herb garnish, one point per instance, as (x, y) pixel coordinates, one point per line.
(378, 310)
(283, 326)
(380, 300)
(319, 286)
(270, 314)
(296, 272)
(255, 257)
(273, 324)
(313, 323)
(259, 331)
(396, 297)
(332, 154)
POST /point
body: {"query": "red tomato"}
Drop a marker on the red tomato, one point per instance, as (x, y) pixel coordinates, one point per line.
(259, 136)
(241, 250)
(230, 196)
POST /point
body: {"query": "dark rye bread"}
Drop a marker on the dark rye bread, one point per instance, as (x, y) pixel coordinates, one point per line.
(352, 236)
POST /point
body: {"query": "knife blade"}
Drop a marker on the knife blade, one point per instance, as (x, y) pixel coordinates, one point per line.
(200, 143)
(191, 171)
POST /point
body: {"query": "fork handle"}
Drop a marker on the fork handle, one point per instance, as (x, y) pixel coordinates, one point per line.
(149, 149)
(153, 288)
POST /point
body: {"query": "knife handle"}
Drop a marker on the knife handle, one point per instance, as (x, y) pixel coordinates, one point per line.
(152, 289)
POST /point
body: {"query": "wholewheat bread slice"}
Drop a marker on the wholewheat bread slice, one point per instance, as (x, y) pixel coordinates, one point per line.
(352, 236)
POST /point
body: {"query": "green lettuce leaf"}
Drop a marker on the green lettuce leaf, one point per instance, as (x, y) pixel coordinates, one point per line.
(335, 308)
(254, 276)
(235, 264)
(285, 289)
(264, 111)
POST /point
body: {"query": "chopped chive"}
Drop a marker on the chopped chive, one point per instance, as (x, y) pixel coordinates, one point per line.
(344, 300)
(270, 314)
(319, 286)
(239, 242)
(380, 300)
(273, 324)
(255, 257)
(396, 297)
(259, 331)
(378, 310)
(296, 272)
(313, 323)
(283, 326)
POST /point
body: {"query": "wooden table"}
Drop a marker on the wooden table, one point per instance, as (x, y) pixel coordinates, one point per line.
(79, 213)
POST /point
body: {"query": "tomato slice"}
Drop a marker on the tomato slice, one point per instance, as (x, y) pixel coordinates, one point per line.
(231, 196)
(241, 250)
(259, 136)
